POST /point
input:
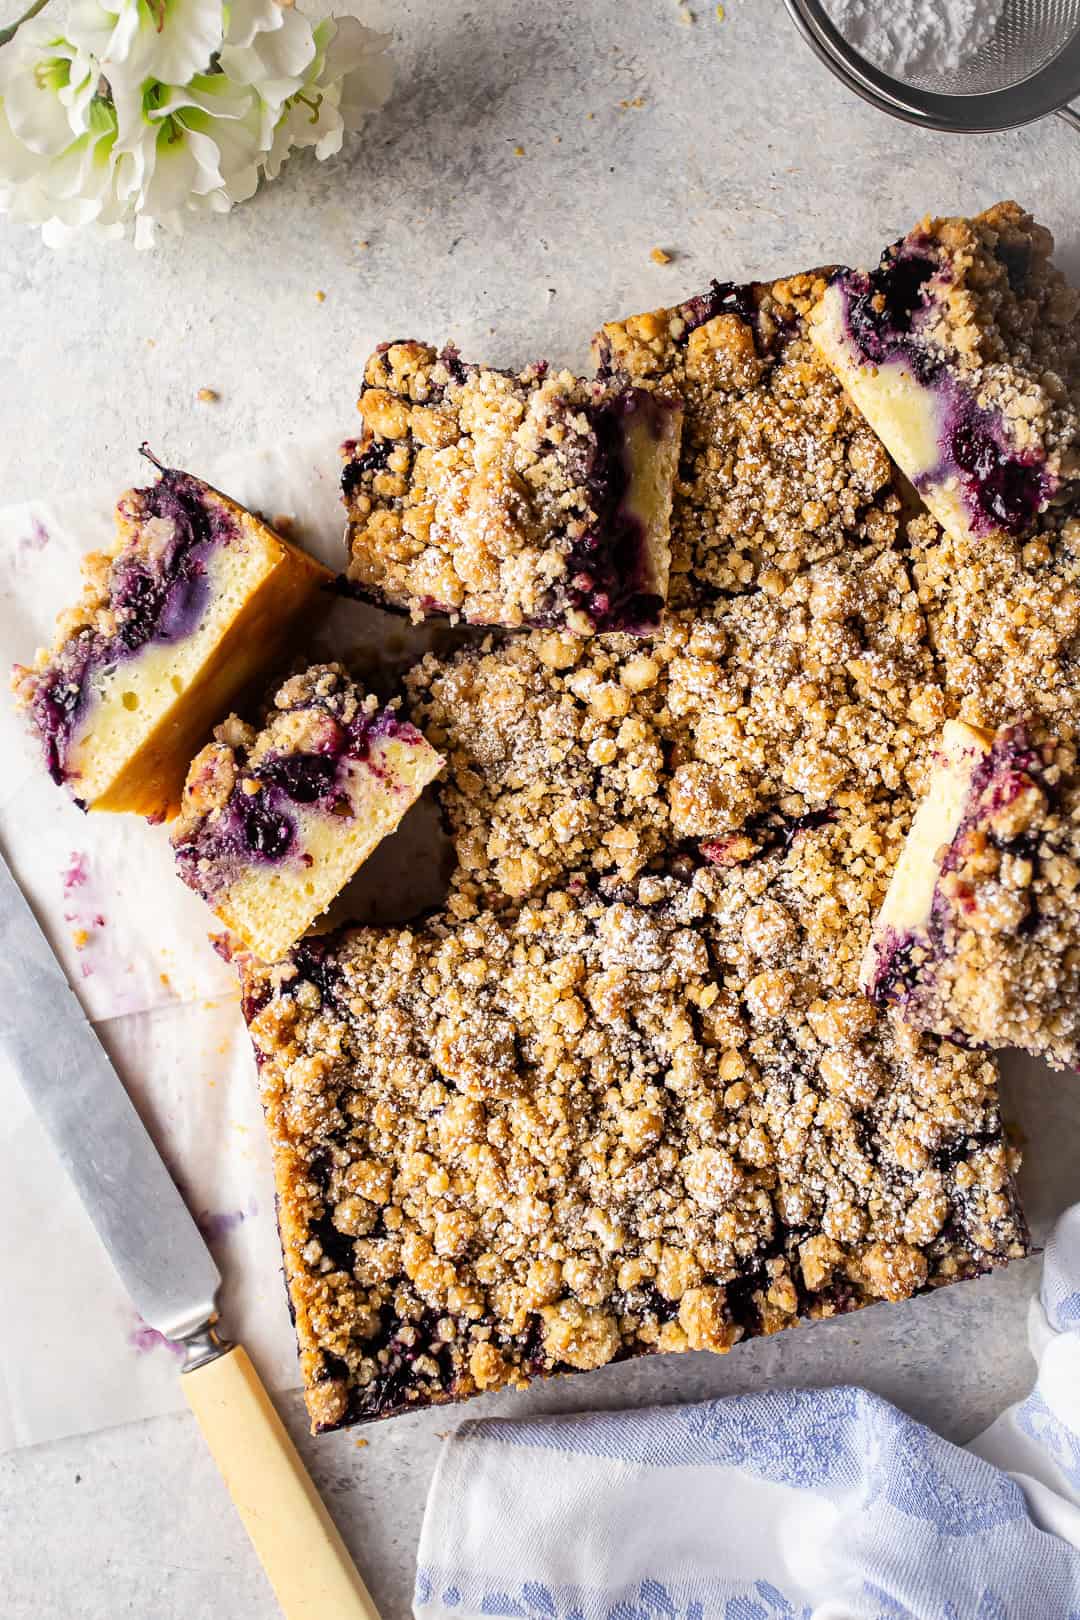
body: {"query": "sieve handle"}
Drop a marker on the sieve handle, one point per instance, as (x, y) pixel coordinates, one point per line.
(1070, 116)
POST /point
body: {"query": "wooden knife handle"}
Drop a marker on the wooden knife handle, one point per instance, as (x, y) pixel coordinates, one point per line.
(299, 1546)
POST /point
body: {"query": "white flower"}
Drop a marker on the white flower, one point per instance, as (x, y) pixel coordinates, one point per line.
(274, 60)
(349, 76)
(46, 85)
(136, 40)
(144, 111)
(195, 148)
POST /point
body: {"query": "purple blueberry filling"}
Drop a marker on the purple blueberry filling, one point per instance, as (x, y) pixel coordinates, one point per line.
(609, 567)
(261, 828)
(769, 831)
(883, 306)
(1012, 765)
(363, 465)
(722, 298)
(157, 596)
(1003, 488)
(897, 976)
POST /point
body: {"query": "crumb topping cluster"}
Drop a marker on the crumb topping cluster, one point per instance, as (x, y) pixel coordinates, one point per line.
(778, 469)
(495, 498)
(510, 1147)
(597, 756)
(1003, 618)
(244, 789)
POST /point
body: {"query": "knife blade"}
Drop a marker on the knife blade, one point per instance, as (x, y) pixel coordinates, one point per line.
(157, 1250)
(163, 1262)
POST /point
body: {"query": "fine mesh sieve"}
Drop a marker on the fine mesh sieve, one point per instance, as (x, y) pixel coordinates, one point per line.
(1029, 67)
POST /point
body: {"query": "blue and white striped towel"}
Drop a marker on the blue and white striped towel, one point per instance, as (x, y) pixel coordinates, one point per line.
(790, 1505)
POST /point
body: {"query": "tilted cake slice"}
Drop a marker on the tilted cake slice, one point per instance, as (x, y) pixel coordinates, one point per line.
(778, 470)
(962, 350)
(195, 599)
(275, 822)
(506, 500)
(511, 1147)
(979, 935)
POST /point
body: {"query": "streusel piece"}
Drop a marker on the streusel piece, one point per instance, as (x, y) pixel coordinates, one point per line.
(275, 822)
(979, 935)
(510, 500)
(962, 350)
(778, 469)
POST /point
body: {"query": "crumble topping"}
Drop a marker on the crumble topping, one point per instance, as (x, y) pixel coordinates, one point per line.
(319, 713)
(778, 469)
(510, 1147)
(503, 499)
(625, 1093)
(1006, 321)
(1003, 617)
(597, 756)
(275, 821)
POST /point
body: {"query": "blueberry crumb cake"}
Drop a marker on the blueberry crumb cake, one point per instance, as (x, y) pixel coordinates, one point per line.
(508, 499)
(979, 935)
(765, 820)
(275, 822)
(962, 350)
(192, 602)
(778, 469)
(506, 1148)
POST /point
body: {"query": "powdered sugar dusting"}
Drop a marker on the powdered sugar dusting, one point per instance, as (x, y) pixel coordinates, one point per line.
(919, 36)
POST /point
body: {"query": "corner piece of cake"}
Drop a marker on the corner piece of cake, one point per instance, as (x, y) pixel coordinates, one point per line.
(195, 598)
(978, 938)
(275, 822)
(536, 499)
(962, 350)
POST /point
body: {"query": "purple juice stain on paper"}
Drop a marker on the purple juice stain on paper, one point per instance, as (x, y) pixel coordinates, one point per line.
(215, 1224)
(36, 540)
(77, 871)
(143, 1338)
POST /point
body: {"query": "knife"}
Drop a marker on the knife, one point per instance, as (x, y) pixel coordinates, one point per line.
(164, 1264)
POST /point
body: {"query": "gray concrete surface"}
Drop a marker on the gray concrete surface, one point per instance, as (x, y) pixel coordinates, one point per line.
(743, 157)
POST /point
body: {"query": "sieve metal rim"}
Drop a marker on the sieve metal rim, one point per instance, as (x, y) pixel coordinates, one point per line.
(1046, 90)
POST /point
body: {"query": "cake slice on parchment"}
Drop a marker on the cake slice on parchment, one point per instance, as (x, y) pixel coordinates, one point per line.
(194, 600)
(275, 822)
(962, 350)
(503, 499)
(979, 935)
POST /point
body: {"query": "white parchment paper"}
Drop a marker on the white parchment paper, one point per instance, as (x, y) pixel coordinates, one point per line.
(74, 1355)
